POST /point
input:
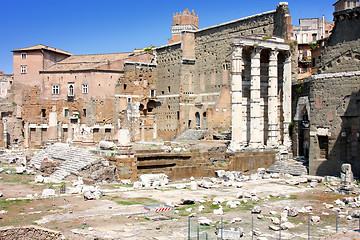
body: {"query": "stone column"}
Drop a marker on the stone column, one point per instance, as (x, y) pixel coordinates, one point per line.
(237, 136)
(287, 98)
(273, 128)
(256, 133)
(53, 134)
(26, 135)
(6, 144)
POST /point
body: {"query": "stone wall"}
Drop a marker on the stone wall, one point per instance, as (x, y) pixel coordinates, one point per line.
(31, 232)
(335, 123)
(167, 90)
(300, 90)
(197, 69)
(335, 100)
(249, 162)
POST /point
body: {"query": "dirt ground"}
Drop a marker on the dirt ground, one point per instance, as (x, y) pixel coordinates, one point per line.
(119, 214)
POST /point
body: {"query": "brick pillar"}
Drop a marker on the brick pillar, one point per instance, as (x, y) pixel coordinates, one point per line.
(237, 136)
(256, 133)
(273, 129)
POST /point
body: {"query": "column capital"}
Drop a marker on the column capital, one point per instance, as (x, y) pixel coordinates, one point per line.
(274, 53)
(288, 55)
(256, 51)
(237, 51)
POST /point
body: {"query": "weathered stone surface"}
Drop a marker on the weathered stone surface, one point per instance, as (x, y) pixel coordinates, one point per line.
(187, 201)
(193, 186)
(231, 234)
(48, 193)
(256, 210)
(106, 145)
(204, 221)
(20, 170)
(30, 232)
(39, 179)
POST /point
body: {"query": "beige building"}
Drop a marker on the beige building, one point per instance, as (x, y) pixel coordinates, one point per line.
(78, 98)
(345, 4)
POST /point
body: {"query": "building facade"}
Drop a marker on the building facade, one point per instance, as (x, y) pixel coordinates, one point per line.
(193, 76)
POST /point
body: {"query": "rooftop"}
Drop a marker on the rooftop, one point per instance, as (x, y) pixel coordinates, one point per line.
(42, 47)
(89, 61)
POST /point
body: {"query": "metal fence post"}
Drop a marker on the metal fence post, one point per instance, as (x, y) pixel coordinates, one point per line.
(337, 217)
(252, 226)
(222, 233)
(189, 229)
(280, 229)
(309, 227)
(198, 233)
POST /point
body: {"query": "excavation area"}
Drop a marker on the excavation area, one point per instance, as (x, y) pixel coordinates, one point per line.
(43, 197)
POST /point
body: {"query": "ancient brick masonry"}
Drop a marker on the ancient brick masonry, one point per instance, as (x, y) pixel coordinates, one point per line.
(193, 76)
(31, 232)
(334, 99)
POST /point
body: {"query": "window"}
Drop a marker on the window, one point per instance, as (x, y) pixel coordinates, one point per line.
(66, 112)
(43, 112)
(71, 89)
(314, 36)
(84, 112)
(129, 99)
(23, 55)
(23, 69)
(197, 117)
(85, 88)
(152, 93)
(55, 89)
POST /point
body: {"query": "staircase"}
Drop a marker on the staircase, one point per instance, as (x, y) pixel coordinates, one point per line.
(288, 167)
(74, 159)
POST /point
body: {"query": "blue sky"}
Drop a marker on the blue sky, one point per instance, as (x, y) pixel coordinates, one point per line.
(85, 27)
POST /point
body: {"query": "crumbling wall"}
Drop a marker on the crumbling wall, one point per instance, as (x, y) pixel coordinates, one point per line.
(335, 123)
(168, 90)
(334, 99)
(205, 73)
(31, 232)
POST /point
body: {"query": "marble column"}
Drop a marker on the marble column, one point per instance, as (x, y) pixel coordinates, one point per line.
(6, 144)
(287, 98)
(273, 122)
(26, 135)
(237, 136)
(256, 133)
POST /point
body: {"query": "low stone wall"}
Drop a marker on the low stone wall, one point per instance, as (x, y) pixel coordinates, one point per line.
(249, 162)
(29, 232)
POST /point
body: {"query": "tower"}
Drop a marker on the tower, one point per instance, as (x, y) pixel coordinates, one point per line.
(185, 20)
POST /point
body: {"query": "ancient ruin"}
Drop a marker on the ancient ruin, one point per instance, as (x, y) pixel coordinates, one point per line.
(212, 136)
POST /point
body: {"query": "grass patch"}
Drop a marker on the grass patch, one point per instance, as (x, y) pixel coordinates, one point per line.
(128, 202)
(293, 196)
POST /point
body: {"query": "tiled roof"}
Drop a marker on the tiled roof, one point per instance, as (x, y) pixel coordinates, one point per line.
(42, 47)
(86, 62)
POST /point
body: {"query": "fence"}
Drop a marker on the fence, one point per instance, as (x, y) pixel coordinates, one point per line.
(220, 229)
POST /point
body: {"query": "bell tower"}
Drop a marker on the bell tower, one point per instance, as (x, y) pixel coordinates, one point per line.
(185, 20)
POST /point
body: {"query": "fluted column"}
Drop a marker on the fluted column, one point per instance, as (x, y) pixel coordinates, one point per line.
(273, 127)
(256, 133)
(287, 98)
(237, 136)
